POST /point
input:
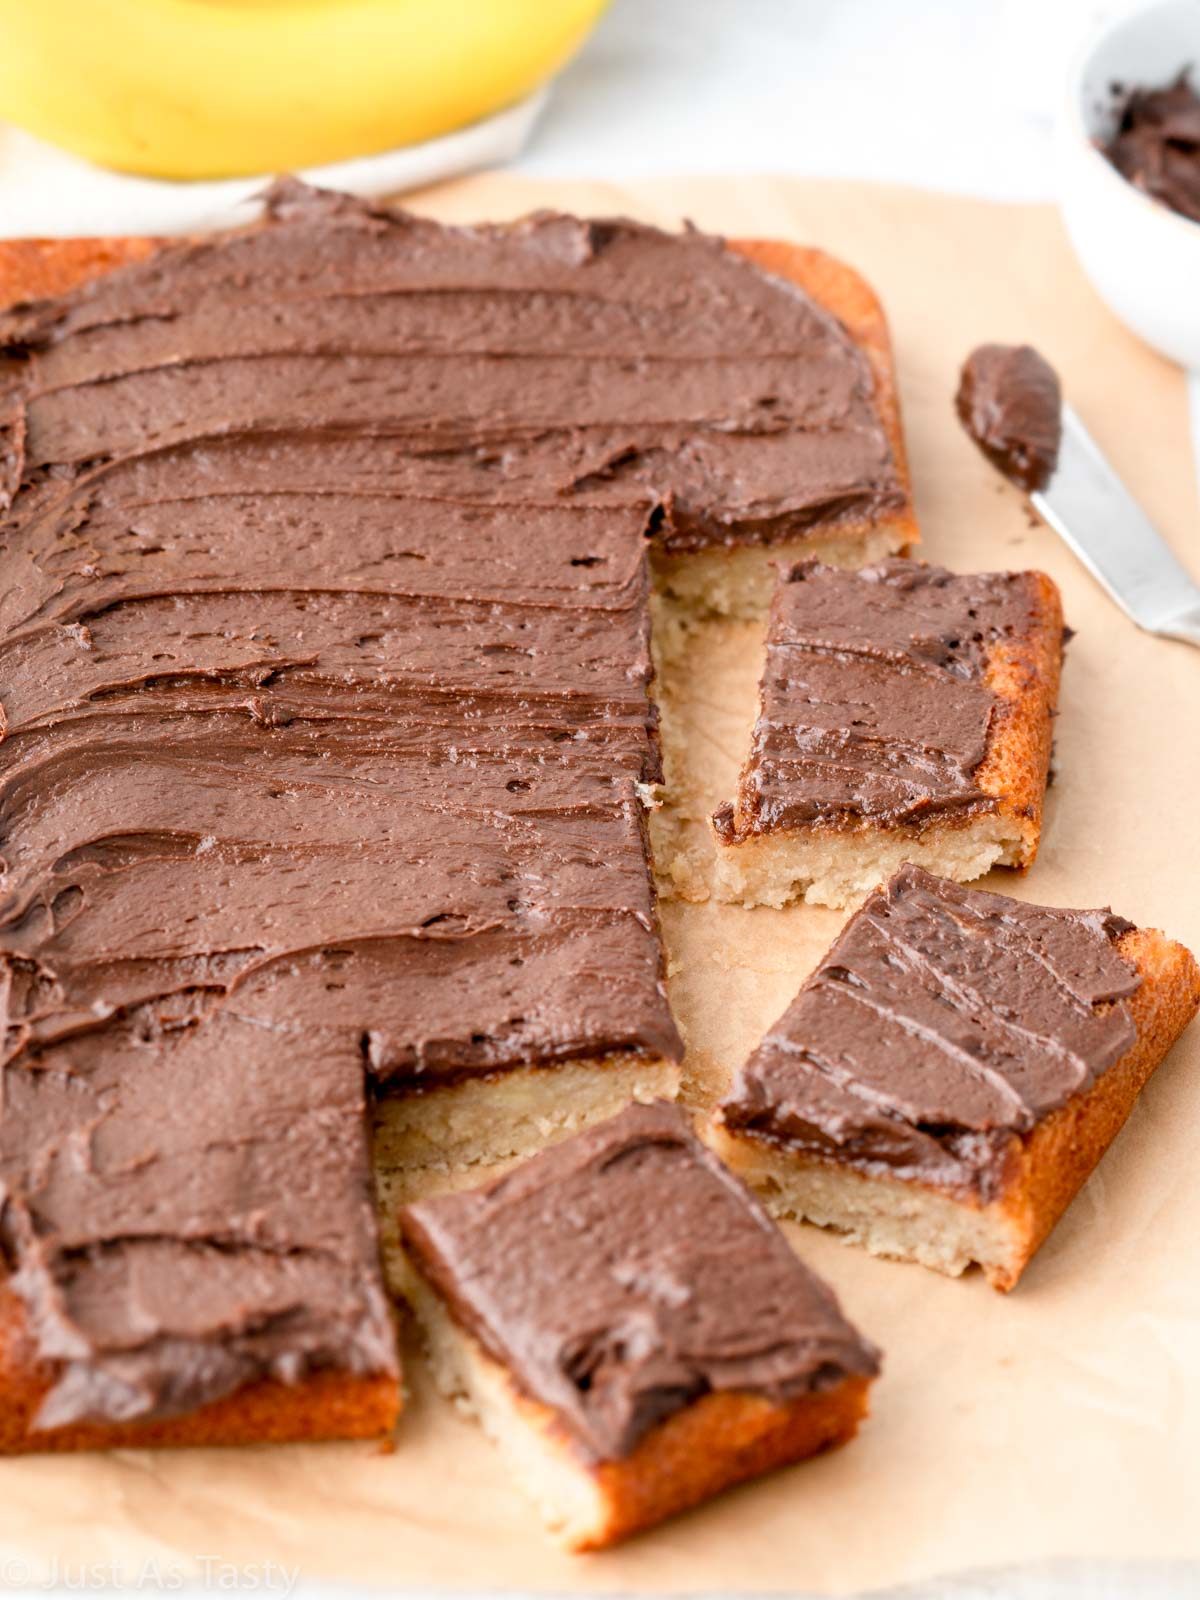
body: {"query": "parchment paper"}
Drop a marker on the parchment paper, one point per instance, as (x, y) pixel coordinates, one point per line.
(1062, 1420)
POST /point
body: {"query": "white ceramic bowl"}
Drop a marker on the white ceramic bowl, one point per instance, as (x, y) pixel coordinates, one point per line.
(1143, 258)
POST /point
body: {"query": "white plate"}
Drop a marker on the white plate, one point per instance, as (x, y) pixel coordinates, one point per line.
(45, 193)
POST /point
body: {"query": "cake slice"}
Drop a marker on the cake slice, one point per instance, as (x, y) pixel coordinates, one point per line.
(630, 1327)
(904, 715)
(831, 484)
(952, 1071)
(192, 1244)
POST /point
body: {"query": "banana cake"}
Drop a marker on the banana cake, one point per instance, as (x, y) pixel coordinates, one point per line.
(904, 715)
(324, 616)
(954, 1068)
(630, 1371)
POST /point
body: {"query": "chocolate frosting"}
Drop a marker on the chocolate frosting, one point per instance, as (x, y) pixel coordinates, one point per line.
(1010, 402)
(187, 1208)
(873, 704)
(1156, 145)
(516, 363)
(621, 1275)
(323, 644)
(943, 1022)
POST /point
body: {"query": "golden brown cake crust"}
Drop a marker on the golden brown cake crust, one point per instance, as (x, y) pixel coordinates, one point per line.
(1044, 1169)
(1050, 1166)
(328, 1405)
(1024, 675)
(31, 269)
(838, 289)
(722, 1440)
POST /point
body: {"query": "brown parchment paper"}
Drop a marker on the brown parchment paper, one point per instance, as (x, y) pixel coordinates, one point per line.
(1062, 1420)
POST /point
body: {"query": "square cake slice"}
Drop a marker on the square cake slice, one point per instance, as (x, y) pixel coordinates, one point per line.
(904, 715)
(952, 1071)
(811, 462)
(630, 1327)
(192, 1247)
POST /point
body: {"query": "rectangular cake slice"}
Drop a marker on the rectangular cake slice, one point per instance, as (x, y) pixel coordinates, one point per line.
(947, 1078)
(904, 715)
(812, 462)
(192, 1234)
(630, 1327)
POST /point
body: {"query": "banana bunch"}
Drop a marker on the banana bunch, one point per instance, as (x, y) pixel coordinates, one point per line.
(223, 88)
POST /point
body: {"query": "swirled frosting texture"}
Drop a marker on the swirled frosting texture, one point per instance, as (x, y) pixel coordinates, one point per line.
(874, 709)
(1009, 400)
(324, 666)
(616, 1325)
(942, 1022)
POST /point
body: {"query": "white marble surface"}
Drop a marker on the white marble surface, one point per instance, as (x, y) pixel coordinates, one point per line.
(955, 94)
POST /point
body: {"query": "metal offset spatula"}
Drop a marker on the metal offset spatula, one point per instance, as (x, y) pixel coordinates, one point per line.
(1092, 510)
(1010, 402)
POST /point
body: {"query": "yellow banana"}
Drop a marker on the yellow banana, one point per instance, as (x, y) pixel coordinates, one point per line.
(218, 88)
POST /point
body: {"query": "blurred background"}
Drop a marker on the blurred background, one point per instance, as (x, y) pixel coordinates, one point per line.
(960, 94)
(957, 94)
(161, 116)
